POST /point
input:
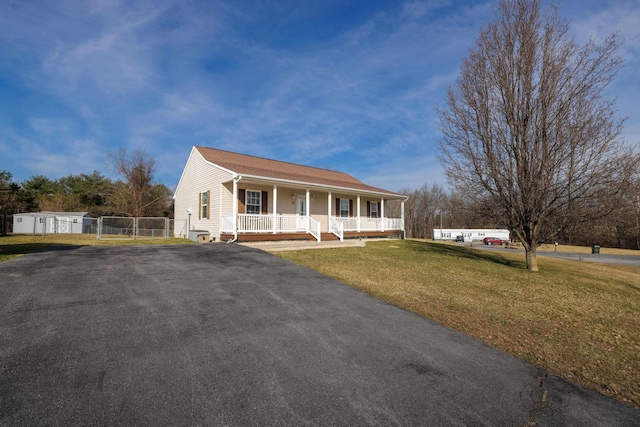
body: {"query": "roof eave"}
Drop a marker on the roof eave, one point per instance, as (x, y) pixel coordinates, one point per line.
(323, 186)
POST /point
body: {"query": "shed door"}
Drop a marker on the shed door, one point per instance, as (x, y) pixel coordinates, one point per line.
(63, 225)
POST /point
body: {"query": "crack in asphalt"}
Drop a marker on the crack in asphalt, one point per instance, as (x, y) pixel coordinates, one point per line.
(539, 406)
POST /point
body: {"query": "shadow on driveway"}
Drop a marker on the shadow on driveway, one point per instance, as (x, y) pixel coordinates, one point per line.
(228, 335)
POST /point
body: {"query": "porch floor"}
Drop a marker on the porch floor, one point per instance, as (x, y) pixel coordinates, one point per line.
(267, 237)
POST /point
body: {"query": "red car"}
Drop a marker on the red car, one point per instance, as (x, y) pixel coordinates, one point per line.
(494, 241)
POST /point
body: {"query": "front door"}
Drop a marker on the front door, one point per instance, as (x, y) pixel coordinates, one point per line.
(301, 210)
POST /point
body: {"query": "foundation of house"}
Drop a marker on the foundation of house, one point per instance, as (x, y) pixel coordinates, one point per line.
(267, 237)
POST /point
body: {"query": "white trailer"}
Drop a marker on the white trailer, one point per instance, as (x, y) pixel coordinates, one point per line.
(470, 234)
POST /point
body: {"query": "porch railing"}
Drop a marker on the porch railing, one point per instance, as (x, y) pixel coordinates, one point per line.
(394, 224)
(369, 224)
(337, 227)
(282, 223)
(256, 223)
(314, 228)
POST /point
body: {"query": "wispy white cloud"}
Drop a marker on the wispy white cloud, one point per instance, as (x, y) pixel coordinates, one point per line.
(59, 159)
(261, 78)
(48, 126)
(418, 9)
(622, 18)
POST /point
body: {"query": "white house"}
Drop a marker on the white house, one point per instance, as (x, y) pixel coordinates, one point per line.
(52, 222)
(240, 197)
(469, 234)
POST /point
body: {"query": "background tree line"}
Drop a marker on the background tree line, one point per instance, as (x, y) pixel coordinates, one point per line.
(431, 206)
(134, 194)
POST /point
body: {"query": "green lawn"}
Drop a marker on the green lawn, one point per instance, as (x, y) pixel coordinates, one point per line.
(577, 320)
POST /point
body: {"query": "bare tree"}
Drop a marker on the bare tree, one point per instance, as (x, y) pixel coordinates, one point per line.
(528, 128)
(137, 195)
(424, 210)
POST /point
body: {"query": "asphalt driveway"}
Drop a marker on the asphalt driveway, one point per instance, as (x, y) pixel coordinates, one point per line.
(228, 335)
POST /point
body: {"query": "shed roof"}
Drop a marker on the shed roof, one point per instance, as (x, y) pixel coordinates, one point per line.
(49, 213)
(244, 164)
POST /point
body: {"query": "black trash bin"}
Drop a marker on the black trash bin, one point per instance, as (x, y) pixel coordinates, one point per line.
(595, 249)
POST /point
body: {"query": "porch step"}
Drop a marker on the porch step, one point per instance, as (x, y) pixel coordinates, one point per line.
(327, 237)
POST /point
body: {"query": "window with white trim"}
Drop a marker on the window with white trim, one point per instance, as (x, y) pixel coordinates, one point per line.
(203, 204)
(373, 210)
(344, 208)
(75, 220)
(253, 202)
(18, 219)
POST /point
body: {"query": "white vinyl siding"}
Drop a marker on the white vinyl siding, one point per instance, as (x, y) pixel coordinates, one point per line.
(200, 176)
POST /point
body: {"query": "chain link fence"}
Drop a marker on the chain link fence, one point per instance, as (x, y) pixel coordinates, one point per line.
(129, 228)
(105, 227)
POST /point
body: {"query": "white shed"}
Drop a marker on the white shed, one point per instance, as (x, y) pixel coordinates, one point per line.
(52, 222)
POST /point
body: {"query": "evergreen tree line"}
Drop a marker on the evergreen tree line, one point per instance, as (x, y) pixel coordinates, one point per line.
(135, 194)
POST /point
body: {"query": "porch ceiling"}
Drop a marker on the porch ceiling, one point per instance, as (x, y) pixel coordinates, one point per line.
(302, 186)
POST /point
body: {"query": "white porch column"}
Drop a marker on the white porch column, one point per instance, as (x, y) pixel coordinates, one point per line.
(275, 208)
(382, 213)
(307, 206)
(402, 217)
(358, 213)
(329, 212)
(234, 218)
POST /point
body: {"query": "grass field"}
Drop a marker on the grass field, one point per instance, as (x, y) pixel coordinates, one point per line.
(577, 320)
(13, 246)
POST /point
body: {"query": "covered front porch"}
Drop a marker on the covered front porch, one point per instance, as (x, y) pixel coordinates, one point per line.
(292, 213)
(294, 227)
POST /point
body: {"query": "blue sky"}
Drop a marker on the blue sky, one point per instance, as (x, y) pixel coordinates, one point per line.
(347, 85)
